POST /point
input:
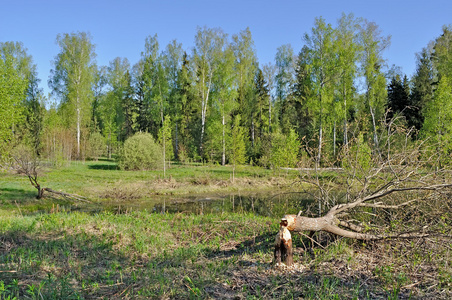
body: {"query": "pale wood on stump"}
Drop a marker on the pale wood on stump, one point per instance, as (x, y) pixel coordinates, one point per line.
(331, 222)
(283, 245)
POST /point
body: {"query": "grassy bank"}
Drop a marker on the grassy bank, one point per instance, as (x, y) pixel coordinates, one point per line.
(142, 255)
(100, 180)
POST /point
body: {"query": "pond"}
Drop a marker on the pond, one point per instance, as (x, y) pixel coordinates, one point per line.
(259, 203)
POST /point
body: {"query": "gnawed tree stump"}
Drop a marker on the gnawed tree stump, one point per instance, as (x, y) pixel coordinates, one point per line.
(334, 223)
(283, 245)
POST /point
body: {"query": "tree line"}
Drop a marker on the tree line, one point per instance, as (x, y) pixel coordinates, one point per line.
(216, 102)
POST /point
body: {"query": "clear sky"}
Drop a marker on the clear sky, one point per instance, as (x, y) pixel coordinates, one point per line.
(119, 28)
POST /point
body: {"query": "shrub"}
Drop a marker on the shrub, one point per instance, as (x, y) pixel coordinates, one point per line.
(357, 158)
(140, 152)
(96, 145)
(284, 150)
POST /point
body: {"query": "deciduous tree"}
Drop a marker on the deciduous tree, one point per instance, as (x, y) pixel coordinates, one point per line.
(373, 44)
(12, 93)
(72, 79)
(207, 52)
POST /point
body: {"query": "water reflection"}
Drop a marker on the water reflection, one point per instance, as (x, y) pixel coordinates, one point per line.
(273, 205)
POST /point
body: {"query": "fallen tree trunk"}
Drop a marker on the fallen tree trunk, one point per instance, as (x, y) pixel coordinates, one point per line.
(66, 195)
(332, 223)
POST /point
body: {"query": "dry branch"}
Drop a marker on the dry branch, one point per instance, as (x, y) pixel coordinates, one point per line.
(398, 195)
(27, 163)
(331, 223)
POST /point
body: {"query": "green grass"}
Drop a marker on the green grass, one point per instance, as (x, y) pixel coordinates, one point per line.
(141, 255)
(49, 252)
(99, 180)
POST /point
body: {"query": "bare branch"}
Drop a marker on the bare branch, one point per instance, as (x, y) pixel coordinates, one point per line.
(379, 205)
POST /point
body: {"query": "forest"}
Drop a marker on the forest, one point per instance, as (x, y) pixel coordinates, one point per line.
(216, 103)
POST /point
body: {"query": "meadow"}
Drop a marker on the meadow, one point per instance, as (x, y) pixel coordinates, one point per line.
(50, 252)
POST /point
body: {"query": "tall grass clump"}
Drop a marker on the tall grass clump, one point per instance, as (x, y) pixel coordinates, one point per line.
(140, 152)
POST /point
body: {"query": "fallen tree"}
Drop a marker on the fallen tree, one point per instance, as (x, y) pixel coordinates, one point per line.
(395, 192)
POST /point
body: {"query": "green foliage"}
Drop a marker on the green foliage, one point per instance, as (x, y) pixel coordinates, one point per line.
(237, 152)
(214, 143)
(337, 79)
(207, 57)
(118, 110)
(284, 60)
(97, 146)
(372, 62)
(165, 140)
(140, 152)
(285, 150)
(12, 93)
(422, 89)
(72, 80)
(441, 52)
(398, 97)
(357, 157)
(438, 119)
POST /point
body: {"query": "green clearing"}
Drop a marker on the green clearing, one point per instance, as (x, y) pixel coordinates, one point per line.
(141, 255)
(102, 180)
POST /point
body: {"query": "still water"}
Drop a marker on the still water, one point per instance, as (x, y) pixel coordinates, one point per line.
(259, 203)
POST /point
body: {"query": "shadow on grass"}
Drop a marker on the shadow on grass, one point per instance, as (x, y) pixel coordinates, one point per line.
(260, 278)
(106, 167)
(13, 195)
(63, 266)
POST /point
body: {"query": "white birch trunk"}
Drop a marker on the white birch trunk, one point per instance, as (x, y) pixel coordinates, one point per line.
(334, 139)
(374, 125)
(223, 157)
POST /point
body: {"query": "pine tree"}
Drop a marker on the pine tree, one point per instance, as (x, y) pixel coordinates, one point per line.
(422, 91)
(398, 97)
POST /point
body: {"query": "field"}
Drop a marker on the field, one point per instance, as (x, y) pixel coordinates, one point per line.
(48, 252)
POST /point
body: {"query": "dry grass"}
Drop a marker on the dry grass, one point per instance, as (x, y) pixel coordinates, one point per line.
(121, 190)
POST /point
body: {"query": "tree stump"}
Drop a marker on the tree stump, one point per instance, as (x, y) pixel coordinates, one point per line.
(283, 245)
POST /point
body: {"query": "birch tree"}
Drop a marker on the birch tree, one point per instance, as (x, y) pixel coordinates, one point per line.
(245, 66)
(373, 44)
(72, 79)
(269, 71)
(225, 95)
(349, 52)
(321, 43)
(206, 55)
(285, 73)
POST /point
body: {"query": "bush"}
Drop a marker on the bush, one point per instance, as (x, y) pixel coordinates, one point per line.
(357, 158)
(284, 150)
(140, 152)
(96, 145)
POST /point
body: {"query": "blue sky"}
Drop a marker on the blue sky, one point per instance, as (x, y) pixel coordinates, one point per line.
(119, 28)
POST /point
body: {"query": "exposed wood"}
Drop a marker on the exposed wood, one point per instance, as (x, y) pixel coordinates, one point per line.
(331, 223)
(283, 245)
